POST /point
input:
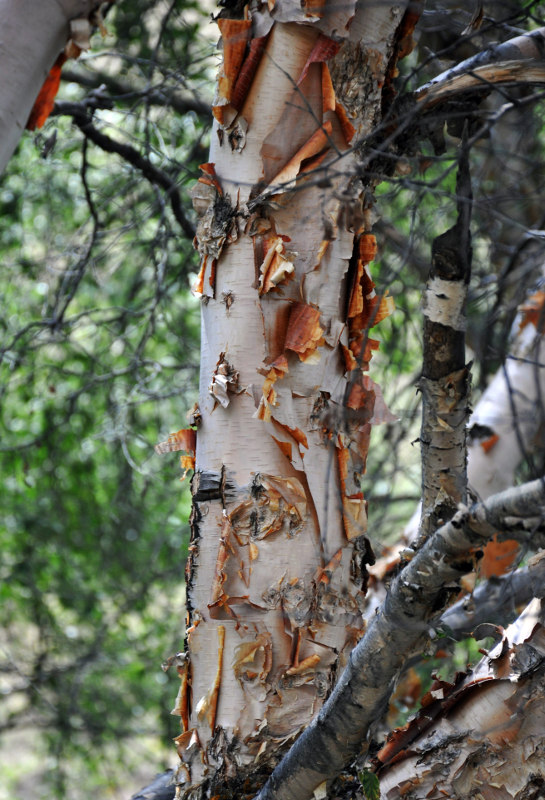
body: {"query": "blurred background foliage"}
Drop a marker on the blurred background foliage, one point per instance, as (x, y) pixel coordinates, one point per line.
(99, 361)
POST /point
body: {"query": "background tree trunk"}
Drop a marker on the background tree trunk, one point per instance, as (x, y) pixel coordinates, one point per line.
(33, 35)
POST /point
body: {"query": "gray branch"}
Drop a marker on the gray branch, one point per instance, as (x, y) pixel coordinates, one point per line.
(496, 600)
(161, 788)
(415, 600)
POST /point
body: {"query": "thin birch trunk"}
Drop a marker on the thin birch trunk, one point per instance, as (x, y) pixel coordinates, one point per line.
(445, 382)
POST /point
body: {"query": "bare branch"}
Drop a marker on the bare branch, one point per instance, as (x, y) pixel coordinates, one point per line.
(161, 788)
(124, 92)
(83, 119)
(519, 59)
(494, 599)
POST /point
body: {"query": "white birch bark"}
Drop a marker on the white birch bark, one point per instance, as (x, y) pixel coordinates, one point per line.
(505, 424)
(32, 34)
(276, 574)
(483, 737)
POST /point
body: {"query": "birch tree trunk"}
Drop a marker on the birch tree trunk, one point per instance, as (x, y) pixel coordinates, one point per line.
(276, 575)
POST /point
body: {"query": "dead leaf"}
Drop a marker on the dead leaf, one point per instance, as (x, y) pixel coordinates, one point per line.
(489, 443)
(498, 557)
(532, 312)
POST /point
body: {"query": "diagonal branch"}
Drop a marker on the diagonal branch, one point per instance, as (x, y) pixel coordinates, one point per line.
(123, 91)
(416, 598)
(83, 119)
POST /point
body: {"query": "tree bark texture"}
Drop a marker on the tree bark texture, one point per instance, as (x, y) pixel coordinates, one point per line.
(445, 378)
(276, 575)
(413, 605)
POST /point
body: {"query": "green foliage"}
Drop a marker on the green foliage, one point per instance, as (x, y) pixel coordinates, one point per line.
(370, 785)
(99, 361)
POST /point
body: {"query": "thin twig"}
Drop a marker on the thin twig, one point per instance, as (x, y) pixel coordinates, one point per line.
(82, 118)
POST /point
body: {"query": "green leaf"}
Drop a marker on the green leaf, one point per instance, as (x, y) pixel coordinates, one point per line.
(370, 785)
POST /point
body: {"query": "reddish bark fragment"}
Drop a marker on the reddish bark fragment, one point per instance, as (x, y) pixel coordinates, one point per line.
(277, 370)
(367, 247)
(235, 34)
(354, 505)
(253, 662)
(210, 178)
(225, 550)
(184, 439)
(247, 71)
(324, 49)
(313, 147)
(43, 105)
(304, 332)
(181, 708)
(362, 397)
(328, 92)
(207, 705)
(346, 126)
(305, 665)
(314, 8)
(276, 266)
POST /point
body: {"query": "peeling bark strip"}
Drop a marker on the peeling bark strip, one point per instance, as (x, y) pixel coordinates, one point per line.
(519, 59)
(278, 554)
(481, 736)
(412, 606)
(446, 380)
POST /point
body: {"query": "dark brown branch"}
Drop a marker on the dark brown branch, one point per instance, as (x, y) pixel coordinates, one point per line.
(412, 606)
(83, 119)
(123, 91)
